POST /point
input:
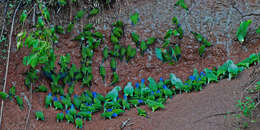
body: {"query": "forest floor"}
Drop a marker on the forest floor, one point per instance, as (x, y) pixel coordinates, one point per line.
(204, 110)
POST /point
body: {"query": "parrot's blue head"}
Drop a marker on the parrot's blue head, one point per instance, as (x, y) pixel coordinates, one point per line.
(178, 25)
(114, 115)
(143, 80)
(72, 106)
(109, 110)
(49, 94)
(161, 79)
(75, 96)
(67, 111)
(55, 98)
(137, 85)
(158, 91)
(125, 97)
(202, 73)
(61, 97)
(94, 94)
(192, 78)
(152, 92)
(140, 101)
(164, 87)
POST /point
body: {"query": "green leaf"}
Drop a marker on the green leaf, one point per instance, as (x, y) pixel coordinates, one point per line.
(158, 53)
(242, 30)
(32, 60)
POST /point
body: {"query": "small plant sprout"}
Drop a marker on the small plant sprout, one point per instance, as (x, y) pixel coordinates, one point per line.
(242, 30)
(39, 115)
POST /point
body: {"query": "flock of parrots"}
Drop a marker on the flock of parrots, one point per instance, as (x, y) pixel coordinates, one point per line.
(77, 108)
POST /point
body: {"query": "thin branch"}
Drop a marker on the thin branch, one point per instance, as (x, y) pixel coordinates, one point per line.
(30, 108)
(3, 26)
(8, 58)
(218, 114)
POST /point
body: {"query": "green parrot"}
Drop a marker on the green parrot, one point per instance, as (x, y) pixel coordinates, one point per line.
(175, 20)
(167, 92)
(113, 64)
(41, 88)
(113, 94)
(136, 102)
(102, 72)
(48, 100)
(57, 104)
(115, 79)
(114, 39)
(202, 50)
(72, 111)
(129, 90)
(180, 31)
(143, 47)
(197, 36)
(69, 117)
(12, 91)
(93, 12)
(135, 38)
(118, 24)
(150, 41)
(134, 18)
(85, 115)
(125, 103)
(168, 34)
(166, 43)
(107, 115)
(182, 4)
(118, 32)
(122, 52)
(177, 51)
(71, 90)
(39, 115)
(60, 117)
(19, 101)
(79, 123)
(3, 95)
(154, 105)
(141, 112)
(76, 101)
(98, 35)
(88, 27)
(66, 101)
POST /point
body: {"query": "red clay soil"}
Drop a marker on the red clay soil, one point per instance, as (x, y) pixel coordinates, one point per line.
(181, 112)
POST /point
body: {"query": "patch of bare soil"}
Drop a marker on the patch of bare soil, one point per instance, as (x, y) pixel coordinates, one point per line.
(183, 112)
